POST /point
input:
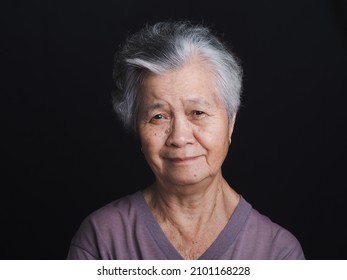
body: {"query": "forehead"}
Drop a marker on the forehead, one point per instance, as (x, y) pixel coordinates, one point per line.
(193, 82)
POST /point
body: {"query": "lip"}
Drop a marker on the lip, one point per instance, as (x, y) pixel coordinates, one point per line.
(182, 159)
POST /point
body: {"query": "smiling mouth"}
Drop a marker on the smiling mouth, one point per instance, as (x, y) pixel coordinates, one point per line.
(182, 160)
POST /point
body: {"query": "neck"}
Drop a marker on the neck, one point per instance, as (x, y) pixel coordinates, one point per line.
(195, 205)
(192, 216)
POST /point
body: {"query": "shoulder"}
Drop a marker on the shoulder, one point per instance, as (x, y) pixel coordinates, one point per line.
(119, 213)
(97, 230)
(270, 238)
(124, 207)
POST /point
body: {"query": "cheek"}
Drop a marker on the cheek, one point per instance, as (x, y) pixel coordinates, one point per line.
(152, 141)
(214, 135)
(215, 141)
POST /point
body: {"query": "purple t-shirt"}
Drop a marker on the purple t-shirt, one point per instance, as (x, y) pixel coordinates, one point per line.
(126, 229)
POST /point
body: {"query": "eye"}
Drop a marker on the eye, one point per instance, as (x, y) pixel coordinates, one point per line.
(198, 113)
(158, 117)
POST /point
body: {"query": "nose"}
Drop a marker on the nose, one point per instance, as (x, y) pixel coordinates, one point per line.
(180, 133)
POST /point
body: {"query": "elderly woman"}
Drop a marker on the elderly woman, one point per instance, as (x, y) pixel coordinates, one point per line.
(177, 86)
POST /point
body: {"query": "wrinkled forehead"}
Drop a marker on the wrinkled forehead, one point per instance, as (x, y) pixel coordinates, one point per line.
(194, 76)
(194, 65)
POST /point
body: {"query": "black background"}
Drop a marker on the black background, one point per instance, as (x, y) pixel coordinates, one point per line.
(64, 154)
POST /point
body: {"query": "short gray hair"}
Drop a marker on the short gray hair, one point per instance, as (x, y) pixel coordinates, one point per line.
(165, 46)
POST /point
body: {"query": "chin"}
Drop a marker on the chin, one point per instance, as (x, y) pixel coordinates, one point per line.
(185, 180)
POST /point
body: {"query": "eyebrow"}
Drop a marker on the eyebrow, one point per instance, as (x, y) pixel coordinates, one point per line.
(154, 106)
(193, 101)
(198, 101)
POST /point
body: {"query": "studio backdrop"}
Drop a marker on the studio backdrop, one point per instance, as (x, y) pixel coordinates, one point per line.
(64, 153)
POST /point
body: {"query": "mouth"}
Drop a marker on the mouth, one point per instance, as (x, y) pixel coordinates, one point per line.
(182, 160)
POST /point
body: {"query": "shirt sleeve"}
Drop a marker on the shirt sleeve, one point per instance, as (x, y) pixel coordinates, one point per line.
(86, 243)
(78, 253)
(286, 246)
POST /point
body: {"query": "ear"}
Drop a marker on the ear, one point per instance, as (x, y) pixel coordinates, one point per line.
(231, 125)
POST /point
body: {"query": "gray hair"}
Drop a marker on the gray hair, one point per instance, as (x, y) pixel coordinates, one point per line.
(165, 46)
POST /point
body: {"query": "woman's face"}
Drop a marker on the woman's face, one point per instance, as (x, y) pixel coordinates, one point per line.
(183, 126)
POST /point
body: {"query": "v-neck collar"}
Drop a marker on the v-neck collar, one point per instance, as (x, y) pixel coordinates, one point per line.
(223, 241)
